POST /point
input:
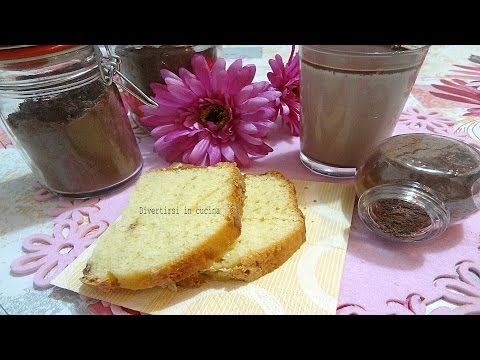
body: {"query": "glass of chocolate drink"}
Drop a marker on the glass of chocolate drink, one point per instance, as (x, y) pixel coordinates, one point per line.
(351, 97)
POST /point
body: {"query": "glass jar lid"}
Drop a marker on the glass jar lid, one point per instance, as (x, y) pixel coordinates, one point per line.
(29, 52)
(43, 70)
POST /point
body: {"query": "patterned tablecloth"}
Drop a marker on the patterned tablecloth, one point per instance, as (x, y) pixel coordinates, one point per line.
(439, 277)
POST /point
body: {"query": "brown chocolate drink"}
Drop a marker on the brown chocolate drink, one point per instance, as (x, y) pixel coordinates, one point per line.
(351, 97)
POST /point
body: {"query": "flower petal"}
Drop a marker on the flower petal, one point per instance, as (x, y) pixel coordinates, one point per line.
(202, 71)
(173, 81)
(182, 93)
(214, 154)
(199, 151)
(196, 86)
(275, 66)
(279, 60)
(157, 87)
(248, 73)
(240, 154)
(250, 139)
(159, 131)
(219, 81)
(185, 74)
(234, 68)
(160, 145)
(271, 95)
(219, 66)
(253, 104)
(268, 113)
(174, 151)
(166, 74)
(285, 109)
(227, 153)
(248, 128)
(257, 150)
(244, 94)
(204, 160)
(175, 134)
(168, 101)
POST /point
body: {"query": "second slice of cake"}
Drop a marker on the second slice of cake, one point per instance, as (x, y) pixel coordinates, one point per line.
(273, 228)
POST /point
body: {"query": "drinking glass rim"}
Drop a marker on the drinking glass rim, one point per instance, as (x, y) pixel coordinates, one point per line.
(328, 49)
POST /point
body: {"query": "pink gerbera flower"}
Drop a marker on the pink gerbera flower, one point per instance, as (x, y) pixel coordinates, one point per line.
(286, 79)
(212, 114)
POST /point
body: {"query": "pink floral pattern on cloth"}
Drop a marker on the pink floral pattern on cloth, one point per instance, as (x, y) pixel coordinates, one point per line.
(462, 290)
(77, 224)
(40, 193)
(463, 89)
(75, 228)
(406, 279)
(98, 307)
(416, 120)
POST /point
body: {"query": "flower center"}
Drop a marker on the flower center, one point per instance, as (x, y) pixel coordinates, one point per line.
(296, 90)
(216, 114)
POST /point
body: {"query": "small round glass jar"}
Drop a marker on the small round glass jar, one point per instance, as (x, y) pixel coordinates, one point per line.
(413, 186)
(70, 127)
(141, 64)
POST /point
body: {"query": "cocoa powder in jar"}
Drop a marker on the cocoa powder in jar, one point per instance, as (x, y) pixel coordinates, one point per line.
(449, 167)
(400, 219)
(79, 141)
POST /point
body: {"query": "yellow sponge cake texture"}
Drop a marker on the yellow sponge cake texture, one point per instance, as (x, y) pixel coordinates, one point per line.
(273, 228)
(177, 222)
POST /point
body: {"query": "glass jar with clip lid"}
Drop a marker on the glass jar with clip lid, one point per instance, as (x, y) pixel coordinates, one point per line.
(68, 122)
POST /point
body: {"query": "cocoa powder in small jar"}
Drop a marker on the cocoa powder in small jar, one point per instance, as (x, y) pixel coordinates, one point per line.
(416, 184)
(400, 218)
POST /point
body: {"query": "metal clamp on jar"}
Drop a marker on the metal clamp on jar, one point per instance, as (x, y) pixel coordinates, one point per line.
(68, 123)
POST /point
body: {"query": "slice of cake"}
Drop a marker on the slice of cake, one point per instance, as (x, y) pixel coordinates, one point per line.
(177, 222)
(273, 228)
